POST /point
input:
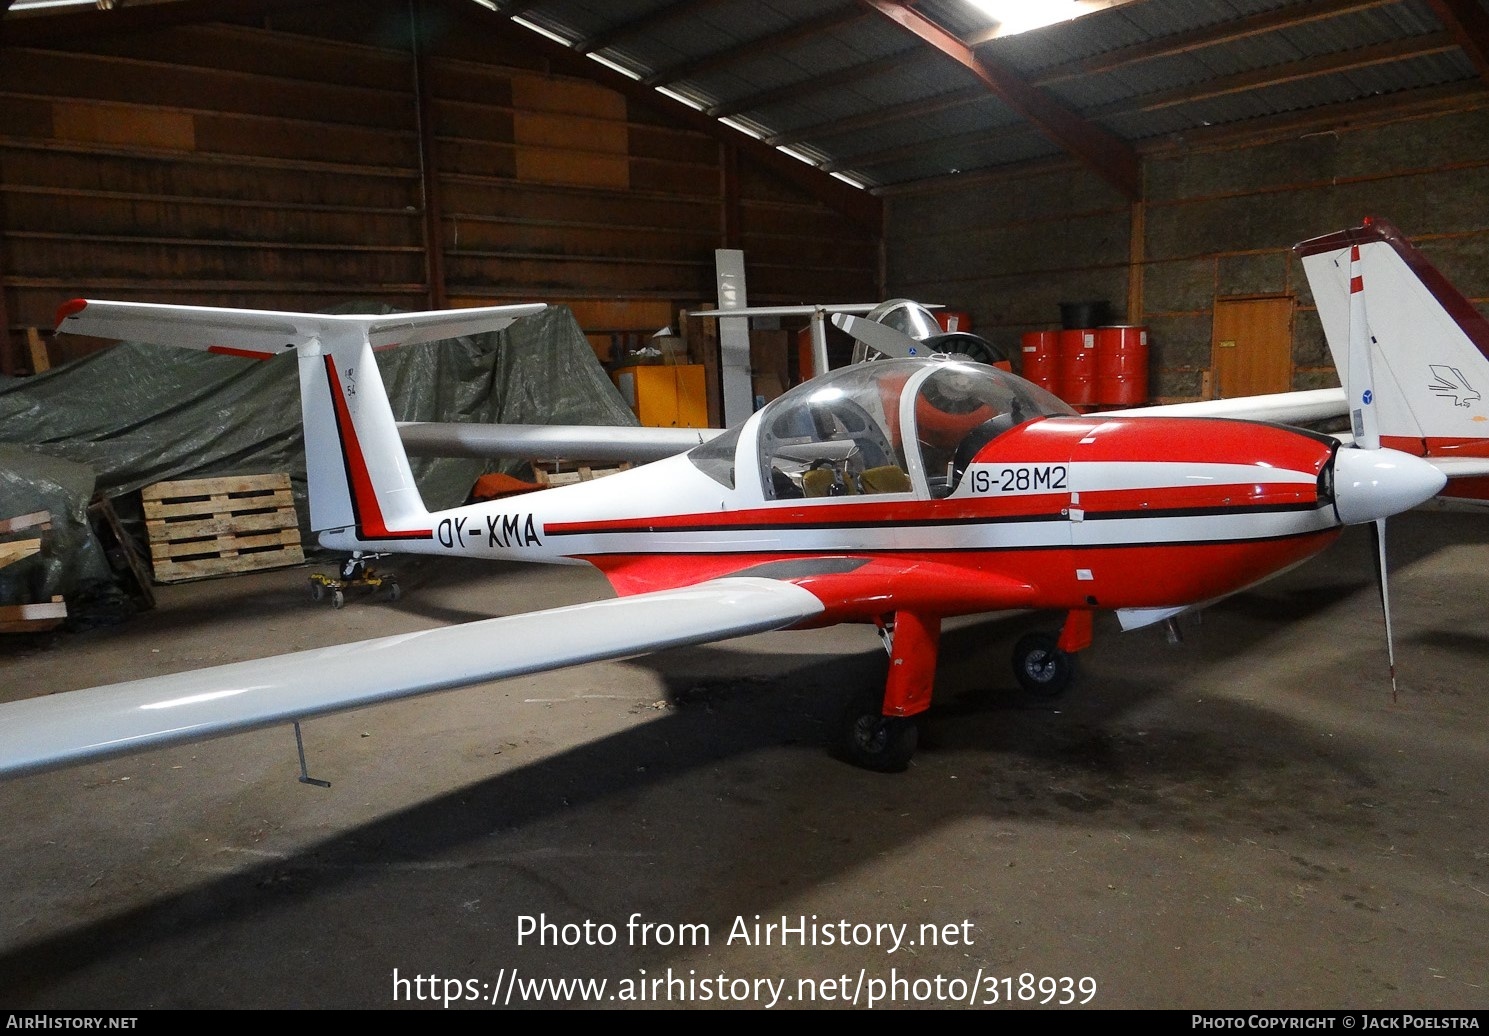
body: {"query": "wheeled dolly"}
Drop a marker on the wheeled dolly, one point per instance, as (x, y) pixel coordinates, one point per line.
(354, 571)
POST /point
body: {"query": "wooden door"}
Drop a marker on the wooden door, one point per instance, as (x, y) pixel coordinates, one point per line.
(1253, 346)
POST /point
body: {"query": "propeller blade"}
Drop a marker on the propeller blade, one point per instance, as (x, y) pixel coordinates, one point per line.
(1378, 534)
(879, 337)
(1359, 379)
(1359, 389)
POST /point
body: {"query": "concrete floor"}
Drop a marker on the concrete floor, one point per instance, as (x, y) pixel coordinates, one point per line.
(1244, 821)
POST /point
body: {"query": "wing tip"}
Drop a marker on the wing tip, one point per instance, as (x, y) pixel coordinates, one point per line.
(71, 308)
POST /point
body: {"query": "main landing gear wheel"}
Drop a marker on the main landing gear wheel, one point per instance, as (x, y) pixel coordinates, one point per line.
(875, 741)
(1041, 667)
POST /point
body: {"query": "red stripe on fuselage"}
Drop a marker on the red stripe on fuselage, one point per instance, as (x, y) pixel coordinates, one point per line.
(1127, 576)
(365, 507)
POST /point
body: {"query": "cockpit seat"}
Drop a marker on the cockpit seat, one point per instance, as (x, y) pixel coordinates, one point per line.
(886, 478)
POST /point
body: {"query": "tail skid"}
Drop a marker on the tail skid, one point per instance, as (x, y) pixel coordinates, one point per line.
(358, 472)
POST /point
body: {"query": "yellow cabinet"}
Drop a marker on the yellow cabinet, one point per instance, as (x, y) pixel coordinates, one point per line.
(665, 395)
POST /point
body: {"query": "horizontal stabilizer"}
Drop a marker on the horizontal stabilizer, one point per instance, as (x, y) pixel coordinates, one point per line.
(57, 730)
(254, 332)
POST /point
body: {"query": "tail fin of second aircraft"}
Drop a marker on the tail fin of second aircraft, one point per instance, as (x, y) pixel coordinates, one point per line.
(358, 472)
(1429, 346)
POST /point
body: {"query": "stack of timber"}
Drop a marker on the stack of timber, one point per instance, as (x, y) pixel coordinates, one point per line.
(567, 475)
(27, 618)
(204, 527)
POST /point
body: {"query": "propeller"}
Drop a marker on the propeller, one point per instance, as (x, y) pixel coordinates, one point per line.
(881, 338)
(1360, 391)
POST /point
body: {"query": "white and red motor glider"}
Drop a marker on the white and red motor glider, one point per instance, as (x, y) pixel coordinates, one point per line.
(896, 493)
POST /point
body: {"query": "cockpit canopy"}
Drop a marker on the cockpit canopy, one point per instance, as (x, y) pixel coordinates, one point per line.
(888, 427)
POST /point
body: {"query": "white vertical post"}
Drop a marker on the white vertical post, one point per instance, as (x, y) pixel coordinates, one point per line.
(819, 343)
(734, 337)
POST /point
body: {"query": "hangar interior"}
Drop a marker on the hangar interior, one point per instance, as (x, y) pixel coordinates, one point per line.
(1248, 820)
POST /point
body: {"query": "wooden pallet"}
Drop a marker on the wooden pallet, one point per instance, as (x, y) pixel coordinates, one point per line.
(28, 618)
(583, 473)
(32, 618)
(204, 527)
(124, 558)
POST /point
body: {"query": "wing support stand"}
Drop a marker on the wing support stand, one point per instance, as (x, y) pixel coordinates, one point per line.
(305, 777)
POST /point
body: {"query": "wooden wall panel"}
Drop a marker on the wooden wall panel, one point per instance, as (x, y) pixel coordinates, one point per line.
(148, 216)
(276, 162)
(92, 123)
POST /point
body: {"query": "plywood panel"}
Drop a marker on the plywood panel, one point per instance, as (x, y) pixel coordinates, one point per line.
(119, 124)
(589, 169)
(567, 96)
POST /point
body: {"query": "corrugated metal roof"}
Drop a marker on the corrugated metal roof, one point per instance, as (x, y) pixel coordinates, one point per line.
(875, 78)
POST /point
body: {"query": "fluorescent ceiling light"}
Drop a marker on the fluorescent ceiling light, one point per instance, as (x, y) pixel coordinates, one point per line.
(535, 27)
(1015, 16)
(37, 5)
(613, 66)
(680, 98)
(798, 155)
(735, 124)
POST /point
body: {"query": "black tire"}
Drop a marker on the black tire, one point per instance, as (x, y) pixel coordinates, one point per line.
(338, 599)
(1040, 666)
(394, 591)
(874, 741)
(317, 591)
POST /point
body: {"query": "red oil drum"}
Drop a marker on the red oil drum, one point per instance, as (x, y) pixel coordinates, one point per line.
(1076, 382)
(953, 319)
(1039, 358)
(1122, 365)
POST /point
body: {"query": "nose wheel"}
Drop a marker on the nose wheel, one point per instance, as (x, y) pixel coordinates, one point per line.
(1040, 667)
(874, 741)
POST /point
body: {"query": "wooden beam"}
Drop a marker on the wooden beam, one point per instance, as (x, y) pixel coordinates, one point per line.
(782, 39)
(1177, 43)
(1469, 25)
(41, 361)
(517, 7)
(1103, 153)
(805, 87)
(429, 182)
(1273, 75)
(729, 192)
(1205, 36)
(858, 205)
(879, 116)
(918, 149)
(636, 26)
(91, 22)
(1404, 104)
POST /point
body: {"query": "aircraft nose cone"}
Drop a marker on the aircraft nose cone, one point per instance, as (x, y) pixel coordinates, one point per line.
(1373, 484)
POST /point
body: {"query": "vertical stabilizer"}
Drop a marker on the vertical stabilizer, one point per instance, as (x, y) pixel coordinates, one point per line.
(1428, 346)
